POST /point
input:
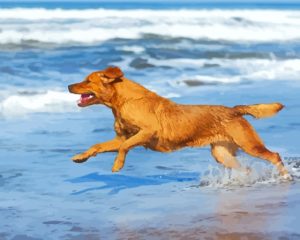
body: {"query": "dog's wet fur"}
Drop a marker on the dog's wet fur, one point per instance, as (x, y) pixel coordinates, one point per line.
(143, 118)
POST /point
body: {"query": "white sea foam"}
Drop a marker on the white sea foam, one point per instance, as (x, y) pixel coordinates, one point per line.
(245, 69)
(50, 101)
(134, 49)
(92, 26)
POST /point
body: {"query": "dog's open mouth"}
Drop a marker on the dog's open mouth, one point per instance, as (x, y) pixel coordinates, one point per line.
(85, 99)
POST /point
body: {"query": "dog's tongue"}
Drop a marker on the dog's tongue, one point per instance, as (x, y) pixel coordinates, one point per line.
(84, 98)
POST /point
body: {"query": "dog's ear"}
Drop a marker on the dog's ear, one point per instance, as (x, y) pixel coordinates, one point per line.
(111, 74)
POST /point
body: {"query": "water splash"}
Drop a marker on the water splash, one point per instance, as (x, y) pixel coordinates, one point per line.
(261, 173)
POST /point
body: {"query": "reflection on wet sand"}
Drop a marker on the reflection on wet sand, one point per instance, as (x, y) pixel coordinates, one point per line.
(250, 211)
(239, 214)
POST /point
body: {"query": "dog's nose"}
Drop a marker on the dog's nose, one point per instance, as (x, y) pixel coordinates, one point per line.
(70, 87)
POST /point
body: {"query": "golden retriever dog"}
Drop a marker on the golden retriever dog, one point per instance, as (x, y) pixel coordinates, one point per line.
(143, 118)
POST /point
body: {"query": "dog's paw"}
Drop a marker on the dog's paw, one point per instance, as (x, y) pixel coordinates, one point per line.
(117, 167)
(287, 177)
(80, 158)
(248, 171)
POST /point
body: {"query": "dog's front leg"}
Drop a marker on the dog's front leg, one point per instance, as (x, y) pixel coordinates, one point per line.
(139, 139)
(109, 146)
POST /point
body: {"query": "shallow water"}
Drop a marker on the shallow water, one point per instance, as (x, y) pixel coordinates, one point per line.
(180, 195)
(177, 195)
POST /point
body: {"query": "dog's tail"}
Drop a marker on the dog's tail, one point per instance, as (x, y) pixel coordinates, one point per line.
(259, 110)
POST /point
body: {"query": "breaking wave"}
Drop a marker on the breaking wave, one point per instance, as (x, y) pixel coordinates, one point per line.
(21, 104)
(243, 70)
(88, 26)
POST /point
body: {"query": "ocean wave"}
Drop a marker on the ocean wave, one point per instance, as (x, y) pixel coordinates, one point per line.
(23, 103)
(93, 26)
(231, 70)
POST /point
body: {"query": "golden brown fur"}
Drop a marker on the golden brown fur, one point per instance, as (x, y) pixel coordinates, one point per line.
(143, 118)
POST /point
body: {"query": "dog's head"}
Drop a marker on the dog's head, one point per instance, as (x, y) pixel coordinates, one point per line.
(97, 87)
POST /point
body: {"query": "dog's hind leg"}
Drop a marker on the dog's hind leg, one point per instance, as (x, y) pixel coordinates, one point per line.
(247, 139)
(109, 146)
(224, 152)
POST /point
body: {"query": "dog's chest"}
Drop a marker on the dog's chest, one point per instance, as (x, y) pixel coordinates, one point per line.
(125, 128)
